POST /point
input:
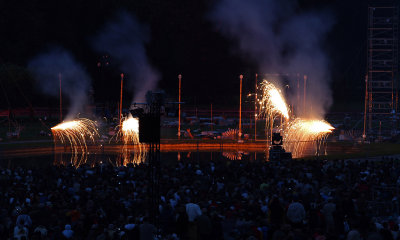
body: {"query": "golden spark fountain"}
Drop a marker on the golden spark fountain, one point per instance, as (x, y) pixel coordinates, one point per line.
(129, 134)
(272, 104)
(76, 133)
(299, 134)
(303, 134)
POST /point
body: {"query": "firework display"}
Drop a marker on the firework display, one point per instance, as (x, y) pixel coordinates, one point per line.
(299, 134)
(132, 150)
(130, 130)
(76, 134)
(272, 102)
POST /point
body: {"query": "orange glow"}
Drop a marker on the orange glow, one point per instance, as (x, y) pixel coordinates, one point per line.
(300, 134)
(76, 133)
(272, 101)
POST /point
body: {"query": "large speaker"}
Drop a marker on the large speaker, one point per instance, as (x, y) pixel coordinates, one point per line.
(149, 128)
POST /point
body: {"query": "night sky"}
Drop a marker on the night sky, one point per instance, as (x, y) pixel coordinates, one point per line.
(182, 40)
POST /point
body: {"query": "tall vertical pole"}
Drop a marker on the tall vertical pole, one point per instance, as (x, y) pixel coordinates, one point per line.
(240, 107)
(255, 109)
(397, 100)
(365, 107)
(271, 129)
(211, 122)
(120, 99)
(195, 104)
(305, 94)
(59, 78)
(179, 106)
(369, 63)
(370, 105)
(298, 95)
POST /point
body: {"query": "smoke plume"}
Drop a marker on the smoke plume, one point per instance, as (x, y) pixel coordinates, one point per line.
(282, 39)
(75, 81)
(124, 39)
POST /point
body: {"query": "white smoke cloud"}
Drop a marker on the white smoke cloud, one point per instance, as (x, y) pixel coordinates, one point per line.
(46, 68)
(282, 40)
(124, 39)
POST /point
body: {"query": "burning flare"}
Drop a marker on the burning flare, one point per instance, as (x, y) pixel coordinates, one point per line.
(302, 134)
(130, 130)
(129, 134)
(76, 133)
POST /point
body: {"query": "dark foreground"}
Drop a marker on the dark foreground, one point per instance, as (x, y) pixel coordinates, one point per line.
(204, 200)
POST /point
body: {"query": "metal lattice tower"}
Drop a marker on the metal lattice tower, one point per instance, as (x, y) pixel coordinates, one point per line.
(382, 68)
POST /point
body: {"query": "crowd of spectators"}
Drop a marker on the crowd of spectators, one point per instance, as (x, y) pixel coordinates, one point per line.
(220, 199)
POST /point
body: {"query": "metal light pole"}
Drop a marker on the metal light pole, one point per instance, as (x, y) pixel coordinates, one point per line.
(365, 107)
(305, 94)
(120, 100)
(179, 106)
(211, 123)
(298, 95)
(255, 109)
(240, 107)
(59, 78)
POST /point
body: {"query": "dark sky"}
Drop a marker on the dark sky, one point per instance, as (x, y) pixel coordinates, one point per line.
(182, 41)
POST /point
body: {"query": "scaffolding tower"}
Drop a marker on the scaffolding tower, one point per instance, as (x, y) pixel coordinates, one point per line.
(381, 97)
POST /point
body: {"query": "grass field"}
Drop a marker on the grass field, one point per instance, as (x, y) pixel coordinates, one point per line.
(347, 150)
